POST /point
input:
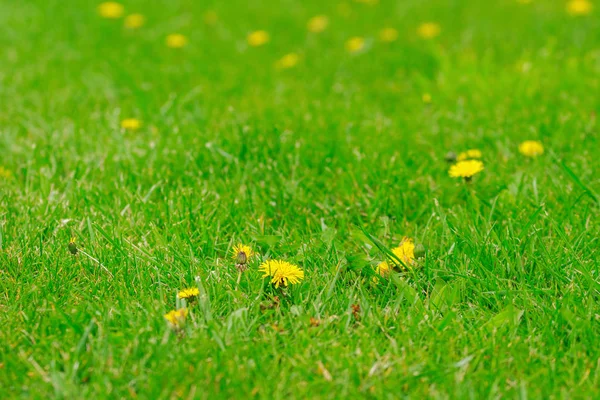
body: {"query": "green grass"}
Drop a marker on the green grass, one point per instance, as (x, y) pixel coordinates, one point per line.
(319, 165)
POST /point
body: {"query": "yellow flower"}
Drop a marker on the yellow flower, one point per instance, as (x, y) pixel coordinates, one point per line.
(355, 44)
(579, 7)
(531, 148)
(176, 40)
(383, 268)
(388, 35)
(288, 61)
(469, 154)
(258, 38)
(188, 294)
(242, 253)
(317, 23)
(466, 169)
(111, 9)
(426, 98)
(429, 30)
(281, 273)
(405, 251)
(134, 21)
(210, 18)
(4, 173)
(131, 124)
(176, 318)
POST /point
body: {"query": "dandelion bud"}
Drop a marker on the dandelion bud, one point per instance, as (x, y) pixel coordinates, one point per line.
(242, 258)
(450, 157)
(72, 246)
(419, 251)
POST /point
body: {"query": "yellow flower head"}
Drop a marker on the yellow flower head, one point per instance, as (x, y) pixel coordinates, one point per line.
(188, 294)
(466, 169)
(242, 253)
(469, 154)
(4, 173)
(176, 40)
(134, 21)
(405, 251)
(281, 273)
(531, 148)
(317, 23)
(131, 124)
(388, 35)
(579, 7)
(429, 30)
(258, 38)
(288, 61)
(111, 9)
(355, 44)
(176, 318)
(383, 268)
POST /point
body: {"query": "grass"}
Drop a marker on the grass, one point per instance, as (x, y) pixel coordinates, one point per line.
(327, 165)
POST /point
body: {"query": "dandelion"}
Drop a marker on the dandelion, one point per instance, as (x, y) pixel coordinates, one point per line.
(450, 157)
(111, 10)
(258, 38)
(469, 155)
(188, 294)
(5, 173)
(383, 268)
(405, 251)
(355, 44)
(241, 254)
(531, 148)
(388, 35)
(288, 61)
(72, 246)
(131, 124)
(176, 318)
(281, 273)
(466, 169)
(176, 40)
(429, 30)
(426, 98)
(579, 7)
(317, 24)
(134, 21)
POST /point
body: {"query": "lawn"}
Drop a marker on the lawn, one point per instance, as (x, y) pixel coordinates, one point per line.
(138, 151)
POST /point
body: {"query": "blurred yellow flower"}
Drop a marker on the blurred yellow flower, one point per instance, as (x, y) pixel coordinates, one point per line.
(4, 173)
(426, 98)
(281, 273)
(258, 38)
(466, 169)
(188, 294)
(288, 61)
(429, 30)
(176, 40)
(531, 148)
(134, 21)
(383, 268)
(131, 124)
(318, 23)
(388, 35)
(469, 154)
(355, 44)
(405, 251)
(111, 9)
(176, 318)
(210, 18)
(579, 7)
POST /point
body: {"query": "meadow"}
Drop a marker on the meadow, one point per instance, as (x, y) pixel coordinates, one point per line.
(299, 199)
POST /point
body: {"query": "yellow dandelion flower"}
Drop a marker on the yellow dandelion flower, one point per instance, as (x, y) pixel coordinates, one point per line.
(134, 21)
(281, 273)
(405, 251)
(384, 268)
(579, 7)
(210, 18)
(111, 9)
(388, 35)
(176, 40)
(429, 30)
(4, 173)
(258, 38)
(242, 253)
(531, 148)
(188, 294)
(131, 124)
(466, 169)
(469, 154)
(288, 61)
(317, 23)
(426, 98)
(176, 318)
(355, 44)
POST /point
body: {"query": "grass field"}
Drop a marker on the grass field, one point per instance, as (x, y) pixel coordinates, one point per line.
(323, 142)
